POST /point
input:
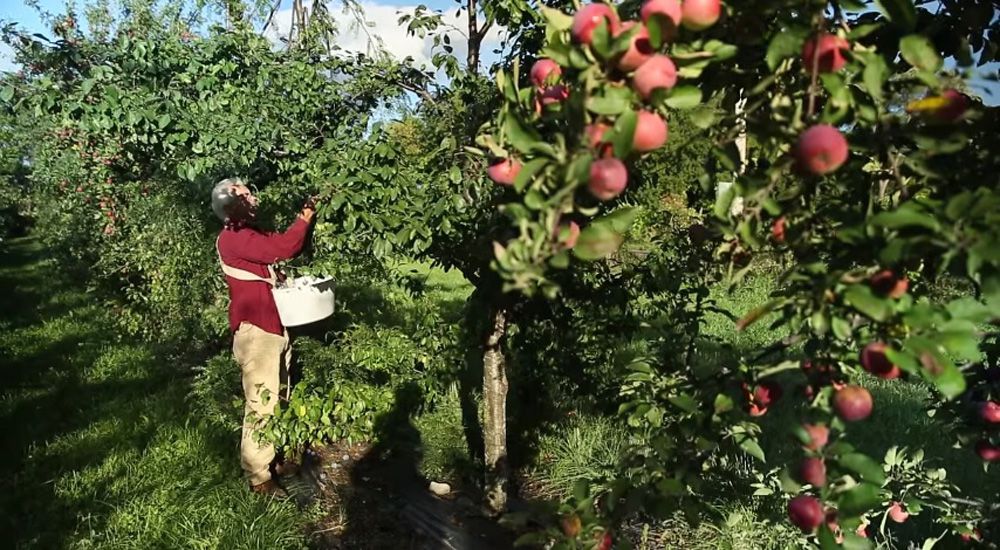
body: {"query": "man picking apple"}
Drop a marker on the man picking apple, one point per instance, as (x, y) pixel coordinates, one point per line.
(260, 343)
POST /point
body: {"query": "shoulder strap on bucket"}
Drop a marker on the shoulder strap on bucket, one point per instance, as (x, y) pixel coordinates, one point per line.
(242, 274)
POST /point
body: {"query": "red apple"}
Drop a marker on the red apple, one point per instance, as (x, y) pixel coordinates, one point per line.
(819, 435)
(639, 50)
(852, 403)
(505, 171)
(862, 530)
(897, 513)
(650, 132)
(571, 235)
(589, 17)
(821, 149)
(778, 230)
(658, 72)
(767, 392)
(670, 9)
(813, 471)
(968, 537)
(875, 361)
(608, 178)
(831, 53)
(553, 94)
(544, 72)
(987, 451)
(805, 512)
(886, 282)
(990, 412)
(571, 525)
(595, 133)
(955, 105)
(606, 542)
(831, 523)
(698, 15)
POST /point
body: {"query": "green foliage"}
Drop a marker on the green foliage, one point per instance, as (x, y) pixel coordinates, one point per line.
(902, 205)
(104, 446)
(444, 451)
(582, 448)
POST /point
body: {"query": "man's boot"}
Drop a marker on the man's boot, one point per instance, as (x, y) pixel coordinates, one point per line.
(270, 488)
(283, 467)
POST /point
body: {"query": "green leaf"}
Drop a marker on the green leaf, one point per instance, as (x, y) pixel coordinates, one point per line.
(859, 499)
(620, 220)
(557, 19)
(624, 133)
(751, 447)
(935, 367)
(623, 41)
(827, 540)
(875, 74)
(520, 136)
(785, 44)
(869, 469)
(560, 260)
(702, 117)
(684, 402)
(528, 172)
(861, 298)
(862, 31)
(6, 93)
(959, 205)
(655, 25)
(901, 12)
(970, 309)
(612, 105)
(723, 201)
(597, 241)
(918, 51)
(841, 328)
(723, 403)
(853, 541)
(534, 200)
(600, 40)
(907, 215)
(683, 97)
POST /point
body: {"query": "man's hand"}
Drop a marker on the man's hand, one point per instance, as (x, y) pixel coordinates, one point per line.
(309, 209)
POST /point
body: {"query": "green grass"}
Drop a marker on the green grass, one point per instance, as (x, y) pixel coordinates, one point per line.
(584, 447)
(105, 447)
(444, 453)
(102, 448)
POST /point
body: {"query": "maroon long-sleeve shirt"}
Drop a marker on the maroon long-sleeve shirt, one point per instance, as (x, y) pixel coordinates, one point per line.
(253, 250)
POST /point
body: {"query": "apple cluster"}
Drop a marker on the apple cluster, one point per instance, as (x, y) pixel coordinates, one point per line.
(641, 66)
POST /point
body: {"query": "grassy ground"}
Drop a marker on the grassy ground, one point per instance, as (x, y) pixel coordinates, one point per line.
(100, 446)
(103, 447)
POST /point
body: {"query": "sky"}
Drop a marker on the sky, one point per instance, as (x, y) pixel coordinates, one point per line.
(383, 16)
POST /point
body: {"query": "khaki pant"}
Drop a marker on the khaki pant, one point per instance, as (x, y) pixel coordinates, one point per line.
(264, 359)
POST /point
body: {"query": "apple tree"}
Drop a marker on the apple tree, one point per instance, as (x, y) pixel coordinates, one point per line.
(855, 154)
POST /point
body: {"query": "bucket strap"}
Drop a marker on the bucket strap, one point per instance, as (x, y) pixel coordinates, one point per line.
(242, 274)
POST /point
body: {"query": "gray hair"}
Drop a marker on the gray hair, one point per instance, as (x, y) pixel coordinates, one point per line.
(223, 197)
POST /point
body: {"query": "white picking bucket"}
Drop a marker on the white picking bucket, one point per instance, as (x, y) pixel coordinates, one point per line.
(301, 304)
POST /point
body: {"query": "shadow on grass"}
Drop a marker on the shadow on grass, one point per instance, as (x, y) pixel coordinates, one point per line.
(99, 445)
(388, 504)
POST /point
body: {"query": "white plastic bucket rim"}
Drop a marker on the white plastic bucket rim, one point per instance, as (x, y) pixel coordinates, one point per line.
(302, 305)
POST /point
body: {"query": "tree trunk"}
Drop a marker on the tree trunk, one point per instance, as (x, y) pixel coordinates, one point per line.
(475, 38)
(495, 397)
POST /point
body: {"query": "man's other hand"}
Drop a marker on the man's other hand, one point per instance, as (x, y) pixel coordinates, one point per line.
(309, 209)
